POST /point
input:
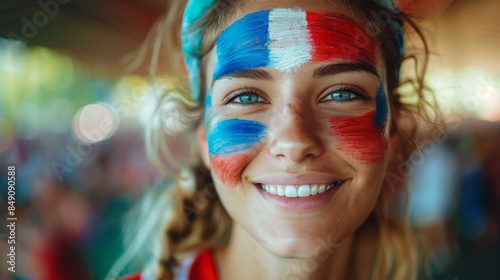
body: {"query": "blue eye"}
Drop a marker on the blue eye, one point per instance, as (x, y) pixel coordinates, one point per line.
(248, 98)
(342, 95)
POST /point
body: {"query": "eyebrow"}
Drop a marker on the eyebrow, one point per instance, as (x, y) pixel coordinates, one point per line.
(319, 72)
(254, 74)
(332, 69)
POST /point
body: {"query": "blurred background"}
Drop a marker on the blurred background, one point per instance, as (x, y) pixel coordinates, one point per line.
(69, 125)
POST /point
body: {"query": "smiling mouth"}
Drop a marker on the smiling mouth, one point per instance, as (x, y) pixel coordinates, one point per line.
(299, 191)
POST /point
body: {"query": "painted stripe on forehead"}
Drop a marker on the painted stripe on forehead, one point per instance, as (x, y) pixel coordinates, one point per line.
(337, 36)
(289, 40)
(285, 39)
(234, 135)
(243, 45)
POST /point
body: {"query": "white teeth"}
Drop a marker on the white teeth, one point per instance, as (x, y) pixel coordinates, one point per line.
(298, 191)
(304, 191)
(321, 189)
(314, 189)
(290, 191)
(281, 190)
(273, 190)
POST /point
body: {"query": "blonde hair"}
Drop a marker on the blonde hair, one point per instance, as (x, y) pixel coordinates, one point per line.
(184, 215)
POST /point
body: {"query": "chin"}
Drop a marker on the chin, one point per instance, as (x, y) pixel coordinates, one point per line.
(302, 247)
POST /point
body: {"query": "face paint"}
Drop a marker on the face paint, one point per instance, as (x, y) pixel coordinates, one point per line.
(228, 141)
(382, 111)
(228, 168)
(208, 99)
(234, 135)
(285, 39)
(363, 137)
(207, 110)
(335, 36)
(359, 137)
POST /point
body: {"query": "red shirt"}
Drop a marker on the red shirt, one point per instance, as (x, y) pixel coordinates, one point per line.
(202, 268)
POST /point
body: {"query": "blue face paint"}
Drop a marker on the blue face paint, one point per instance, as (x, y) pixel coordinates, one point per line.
(382, 111)
(249, 51)
(208, 99)
(234, 135)
(206, 110)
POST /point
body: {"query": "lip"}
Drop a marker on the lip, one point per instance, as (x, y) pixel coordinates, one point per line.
(300, 204)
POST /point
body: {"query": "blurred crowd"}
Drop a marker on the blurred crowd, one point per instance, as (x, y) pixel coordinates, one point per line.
(69, 222)
(455, 201)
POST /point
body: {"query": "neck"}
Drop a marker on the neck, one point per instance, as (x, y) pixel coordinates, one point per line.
(244, 258)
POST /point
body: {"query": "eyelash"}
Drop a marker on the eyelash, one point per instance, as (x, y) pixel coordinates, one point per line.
(359, 94)
(241, 91)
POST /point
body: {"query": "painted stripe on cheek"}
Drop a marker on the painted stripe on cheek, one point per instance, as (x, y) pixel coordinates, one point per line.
(359, 137)
(229, 168)
(234, 135)
(228, 141)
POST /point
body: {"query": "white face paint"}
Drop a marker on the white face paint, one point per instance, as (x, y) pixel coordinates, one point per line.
(289, 39)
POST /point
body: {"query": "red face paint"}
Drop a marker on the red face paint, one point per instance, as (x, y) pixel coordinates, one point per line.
(336, 36)
(229, 167)
(359, 137)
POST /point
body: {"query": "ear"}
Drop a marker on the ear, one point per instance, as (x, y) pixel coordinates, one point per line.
(202, 143)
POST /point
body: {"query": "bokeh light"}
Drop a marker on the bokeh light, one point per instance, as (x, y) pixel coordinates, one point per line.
(95, 122)
(468, 93)
(489, 108)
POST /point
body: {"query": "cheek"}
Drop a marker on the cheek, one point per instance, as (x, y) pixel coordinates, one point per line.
(359, 137)
(231, 142)
(229, 168)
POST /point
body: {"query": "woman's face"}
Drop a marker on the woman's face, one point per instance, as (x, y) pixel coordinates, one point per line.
(296, 126)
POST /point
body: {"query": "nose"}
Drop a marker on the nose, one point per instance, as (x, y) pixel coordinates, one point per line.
(295, 135)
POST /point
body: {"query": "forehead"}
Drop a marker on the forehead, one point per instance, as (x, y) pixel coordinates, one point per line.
(309, 5)
(285, 39)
